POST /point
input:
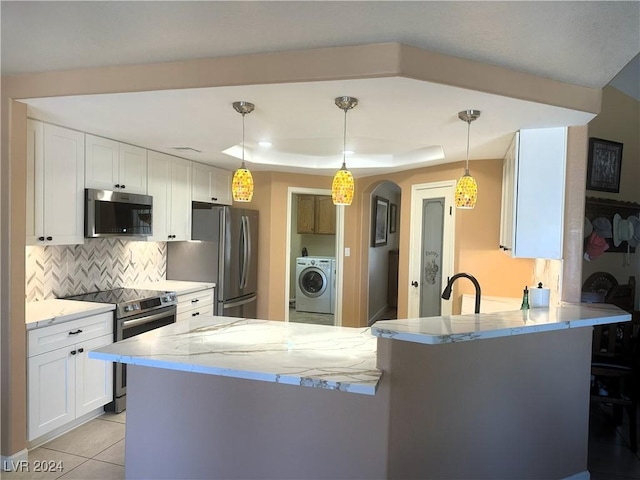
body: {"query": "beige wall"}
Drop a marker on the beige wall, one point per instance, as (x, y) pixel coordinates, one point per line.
(293, 66)
(619, 121)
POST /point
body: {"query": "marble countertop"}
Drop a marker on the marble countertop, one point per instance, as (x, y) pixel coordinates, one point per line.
(464, 328)
(334, 358)
(53, 311)
(179, 286)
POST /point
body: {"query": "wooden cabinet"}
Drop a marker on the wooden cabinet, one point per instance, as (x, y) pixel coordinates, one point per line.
(170, 185)
(316, 215)
(533, 186)
(111, 165)
(210, 184)
(55, 185)
(195, 303)
(63, 382)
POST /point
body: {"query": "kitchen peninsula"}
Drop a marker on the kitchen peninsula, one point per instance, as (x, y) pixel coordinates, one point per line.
(501, 395)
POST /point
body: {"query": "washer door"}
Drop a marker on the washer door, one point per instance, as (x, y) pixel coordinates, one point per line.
(312, 282)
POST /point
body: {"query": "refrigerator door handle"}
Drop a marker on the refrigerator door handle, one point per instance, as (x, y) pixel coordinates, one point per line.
(243, 263)
(248, 248)
(239, 303)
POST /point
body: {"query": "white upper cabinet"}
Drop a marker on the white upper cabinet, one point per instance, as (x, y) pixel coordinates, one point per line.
(170, 186)
(55, 185)
(112, 165)
(533, 187)
(210, 184)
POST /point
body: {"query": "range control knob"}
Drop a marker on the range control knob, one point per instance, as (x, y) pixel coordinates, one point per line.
(128, 308)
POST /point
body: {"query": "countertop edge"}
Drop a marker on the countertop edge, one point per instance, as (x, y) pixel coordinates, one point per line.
(48, 320)
(364, 388)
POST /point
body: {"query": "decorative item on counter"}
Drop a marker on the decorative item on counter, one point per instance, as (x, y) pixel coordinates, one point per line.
(635, 240)
(466, 193)
(602, 227)
(595, 247)
(305, 253)
(539, 296)
(343, 185)
(622, 230)
(525, 299)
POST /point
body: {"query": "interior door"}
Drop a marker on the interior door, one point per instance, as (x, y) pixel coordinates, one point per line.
(431, 249)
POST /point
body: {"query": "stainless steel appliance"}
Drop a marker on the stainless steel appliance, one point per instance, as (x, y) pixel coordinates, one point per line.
(226, 253)
(137, 311)
(116, 214)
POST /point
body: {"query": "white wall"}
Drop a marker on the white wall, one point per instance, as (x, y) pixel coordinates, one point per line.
(379, 256)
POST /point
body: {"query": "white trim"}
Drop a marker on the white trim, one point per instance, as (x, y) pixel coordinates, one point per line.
(415, 241)
(579, 476)
(339, 250)
(67, 427)
(12, 463)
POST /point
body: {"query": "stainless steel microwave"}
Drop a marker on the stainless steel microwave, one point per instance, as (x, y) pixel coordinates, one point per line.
(116, 214)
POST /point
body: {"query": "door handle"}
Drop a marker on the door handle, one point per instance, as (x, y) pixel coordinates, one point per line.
(414, 284)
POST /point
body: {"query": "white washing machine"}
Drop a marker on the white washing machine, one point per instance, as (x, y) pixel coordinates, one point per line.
(315, 284)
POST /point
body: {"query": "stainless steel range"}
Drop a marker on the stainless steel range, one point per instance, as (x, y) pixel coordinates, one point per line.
(137, 311)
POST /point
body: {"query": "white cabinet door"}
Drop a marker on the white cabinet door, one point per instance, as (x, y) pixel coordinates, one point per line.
(51, 399)
(170, 186)
(180, 199)
(63, 207)
(222, 187)
(94, 378)
(111, 165)
(132, 169)
(202, 183)
(102, 163)
(35, 182)
(534, 227)
(159, 187)
(210, 184)
(509, 186)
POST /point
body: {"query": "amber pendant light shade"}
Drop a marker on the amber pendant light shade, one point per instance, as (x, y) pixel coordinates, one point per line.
(466, 193)
(242, 183)
(343, 185)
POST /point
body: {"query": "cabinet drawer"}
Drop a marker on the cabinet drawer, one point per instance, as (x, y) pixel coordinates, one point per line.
(195, 312)
(193, 300)
(65, 334)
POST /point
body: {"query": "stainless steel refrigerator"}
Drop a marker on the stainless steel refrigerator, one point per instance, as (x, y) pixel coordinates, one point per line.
(226, 252)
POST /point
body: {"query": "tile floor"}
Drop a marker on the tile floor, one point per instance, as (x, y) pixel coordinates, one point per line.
(307, 317)
(95, 450)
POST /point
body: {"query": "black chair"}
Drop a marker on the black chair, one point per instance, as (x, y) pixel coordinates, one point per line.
(615, 369)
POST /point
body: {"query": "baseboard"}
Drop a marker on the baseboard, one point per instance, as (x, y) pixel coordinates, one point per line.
(377, 315)
(579, 476)
(15, 462)
(47, 437)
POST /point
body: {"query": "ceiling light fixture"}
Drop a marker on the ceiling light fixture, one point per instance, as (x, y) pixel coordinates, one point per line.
(242, 183)
(264, 143)
(466, 193)
(343, 184)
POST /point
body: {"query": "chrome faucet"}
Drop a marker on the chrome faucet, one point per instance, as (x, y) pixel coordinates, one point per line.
(446, 294)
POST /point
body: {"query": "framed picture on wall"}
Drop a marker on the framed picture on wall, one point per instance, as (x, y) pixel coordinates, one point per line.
(603, 168)
(393, 217)
(379, 221)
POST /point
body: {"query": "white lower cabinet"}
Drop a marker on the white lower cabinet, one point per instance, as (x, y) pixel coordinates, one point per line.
(194, 304)
(63, 382)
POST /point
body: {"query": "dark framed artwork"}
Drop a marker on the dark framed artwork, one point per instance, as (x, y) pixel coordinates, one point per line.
(603, 168)
(379, 221)
(393, 217)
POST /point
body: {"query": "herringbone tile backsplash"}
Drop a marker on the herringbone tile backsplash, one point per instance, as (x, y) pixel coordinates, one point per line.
(100, 264)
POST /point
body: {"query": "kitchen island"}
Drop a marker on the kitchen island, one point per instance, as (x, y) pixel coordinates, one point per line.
(501, 395)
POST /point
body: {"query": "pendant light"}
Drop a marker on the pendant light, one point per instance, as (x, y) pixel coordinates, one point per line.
(466, 193)
(343, 185)
(242, 183)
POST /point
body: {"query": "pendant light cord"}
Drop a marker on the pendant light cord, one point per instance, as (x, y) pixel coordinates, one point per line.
(344, 144)
(243, 166)
(468, 134)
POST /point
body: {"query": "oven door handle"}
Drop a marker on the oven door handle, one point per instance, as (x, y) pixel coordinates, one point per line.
(143, 320)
